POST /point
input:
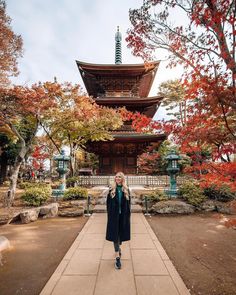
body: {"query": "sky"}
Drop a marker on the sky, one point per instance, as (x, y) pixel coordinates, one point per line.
(56, 33)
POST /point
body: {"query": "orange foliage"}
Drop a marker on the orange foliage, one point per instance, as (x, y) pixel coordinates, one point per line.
(39, 155)
(147, 163)
(10, 49)
(140, 122)
(217, 174)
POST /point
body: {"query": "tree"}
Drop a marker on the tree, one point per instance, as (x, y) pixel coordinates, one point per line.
(21, 110)
(38, 156)
(192, 127)
(49, 148)
(148, 163)
(174, 99)
(205, 47)
(154, 161)
(10, 47)
(78, 119)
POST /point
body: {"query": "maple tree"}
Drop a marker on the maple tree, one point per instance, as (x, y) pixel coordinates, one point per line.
(154, 161)
(48, 148)
(148, 163)
(192, 126)
(78, 119)
(10, 47)
(204, 139)
(140, 122)
(205, 47)
(38, 156)
(21, 110)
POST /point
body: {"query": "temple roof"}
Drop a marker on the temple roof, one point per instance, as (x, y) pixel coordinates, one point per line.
(137, 137)
(144, 101)
(134, 78)
(147, 106)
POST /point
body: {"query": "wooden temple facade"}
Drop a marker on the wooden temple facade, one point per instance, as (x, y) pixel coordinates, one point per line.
(117, 85)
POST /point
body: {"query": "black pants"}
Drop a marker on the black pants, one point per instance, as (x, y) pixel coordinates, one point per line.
(117, 245)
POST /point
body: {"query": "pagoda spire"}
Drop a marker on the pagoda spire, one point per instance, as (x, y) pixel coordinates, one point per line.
(118, 37)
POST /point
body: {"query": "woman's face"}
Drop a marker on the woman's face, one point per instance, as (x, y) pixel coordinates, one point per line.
(118, 179)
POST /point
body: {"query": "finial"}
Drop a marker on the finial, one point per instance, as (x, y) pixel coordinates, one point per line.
(118, 38)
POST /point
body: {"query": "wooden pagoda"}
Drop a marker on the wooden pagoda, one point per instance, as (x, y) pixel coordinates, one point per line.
(118, 85)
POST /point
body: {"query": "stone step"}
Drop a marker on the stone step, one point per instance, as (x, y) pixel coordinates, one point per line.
(102, 209)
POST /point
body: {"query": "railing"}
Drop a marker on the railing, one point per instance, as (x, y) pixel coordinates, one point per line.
(144, 180)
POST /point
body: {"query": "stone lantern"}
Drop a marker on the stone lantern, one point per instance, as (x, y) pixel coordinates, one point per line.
(172, 170)
(62, 169)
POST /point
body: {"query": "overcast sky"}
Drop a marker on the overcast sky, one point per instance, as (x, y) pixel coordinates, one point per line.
(58, 32)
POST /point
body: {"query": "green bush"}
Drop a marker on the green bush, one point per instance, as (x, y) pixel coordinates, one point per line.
(26, 185)
(36, 196)
(71, 181)
(75, 193)
(192, 193)
(223, 193)
(156, 196)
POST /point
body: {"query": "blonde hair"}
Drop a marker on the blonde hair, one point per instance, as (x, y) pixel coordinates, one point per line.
(125, 188)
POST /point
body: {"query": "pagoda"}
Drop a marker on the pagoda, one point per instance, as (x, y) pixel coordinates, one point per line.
(122, 85)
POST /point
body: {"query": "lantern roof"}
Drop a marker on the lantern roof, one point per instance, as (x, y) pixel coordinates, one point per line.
(62, 157)
(172, 156)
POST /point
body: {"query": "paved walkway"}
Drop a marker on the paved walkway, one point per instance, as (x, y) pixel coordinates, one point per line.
(88, 266)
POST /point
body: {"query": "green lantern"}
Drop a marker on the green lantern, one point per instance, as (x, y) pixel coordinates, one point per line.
(172, 170)
(62, 169)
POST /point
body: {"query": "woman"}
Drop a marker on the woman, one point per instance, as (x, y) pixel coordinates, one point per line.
(118, 213)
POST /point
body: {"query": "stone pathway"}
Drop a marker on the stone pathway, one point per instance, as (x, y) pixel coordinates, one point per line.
(88, 266)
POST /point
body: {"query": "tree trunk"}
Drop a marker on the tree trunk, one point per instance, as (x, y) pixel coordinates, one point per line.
(9, 197)
(72, 164)
(3, 164)
(50, 166)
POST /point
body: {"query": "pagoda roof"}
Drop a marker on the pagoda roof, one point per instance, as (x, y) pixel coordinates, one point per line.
(118, 100)
(145, 105)
(137, 137)
(98, 78)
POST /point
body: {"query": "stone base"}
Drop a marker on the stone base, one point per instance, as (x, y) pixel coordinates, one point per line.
(172, 207)
(71, 212)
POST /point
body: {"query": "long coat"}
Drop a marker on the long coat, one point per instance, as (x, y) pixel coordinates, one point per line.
(118, 224)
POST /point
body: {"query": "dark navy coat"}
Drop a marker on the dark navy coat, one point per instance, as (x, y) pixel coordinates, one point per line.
(118, 224)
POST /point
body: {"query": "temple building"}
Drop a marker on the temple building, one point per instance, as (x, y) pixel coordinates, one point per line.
(122, 85)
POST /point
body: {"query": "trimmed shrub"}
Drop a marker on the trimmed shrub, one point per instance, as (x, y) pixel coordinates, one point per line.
(71, 181)
(192, 193)
(36, 196)
(26, 185)
(75, 193)
(222, 193)
(155, 196)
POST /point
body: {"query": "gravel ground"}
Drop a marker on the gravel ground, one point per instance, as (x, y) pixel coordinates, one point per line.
(202, 250)
(36, 250)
